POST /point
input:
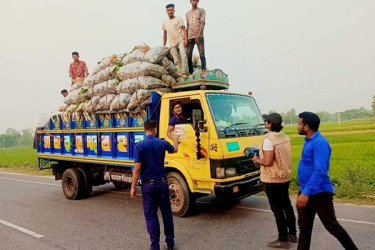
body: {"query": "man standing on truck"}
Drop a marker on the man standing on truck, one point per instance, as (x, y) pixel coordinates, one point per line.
(195, 21)
(276, 163)
(77, 69)
(174, 27)
(149, 164)
(316, 191)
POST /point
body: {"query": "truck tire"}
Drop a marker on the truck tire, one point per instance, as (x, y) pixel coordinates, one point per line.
(87, 181)
(72, 184)
(182, 200)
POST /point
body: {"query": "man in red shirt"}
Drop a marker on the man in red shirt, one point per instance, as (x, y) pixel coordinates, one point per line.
(77, 68)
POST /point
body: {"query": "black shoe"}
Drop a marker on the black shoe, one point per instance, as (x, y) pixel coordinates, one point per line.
(279, 244)
(292, 238)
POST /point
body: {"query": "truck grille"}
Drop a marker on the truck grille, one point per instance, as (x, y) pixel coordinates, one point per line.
(247, 166)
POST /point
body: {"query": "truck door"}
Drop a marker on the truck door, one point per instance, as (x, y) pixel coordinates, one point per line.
(193, 151)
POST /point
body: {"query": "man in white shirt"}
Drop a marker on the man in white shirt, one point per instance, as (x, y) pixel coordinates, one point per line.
(174, 28)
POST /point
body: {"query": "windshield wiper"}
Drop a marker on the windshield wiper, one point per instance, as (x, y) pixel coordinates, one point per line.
(234, 124)
(258, 125)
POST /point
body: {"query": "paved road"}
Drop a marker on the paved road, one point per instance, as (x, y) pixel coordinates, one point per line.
(34, 214)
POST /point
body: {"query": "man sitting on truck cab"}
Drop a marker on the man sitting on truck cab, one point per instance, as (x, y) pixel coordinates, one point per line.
(177, 118)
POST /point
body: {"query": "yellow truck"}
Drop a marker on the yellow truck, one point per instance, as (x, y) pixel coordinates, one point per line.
(96, 149)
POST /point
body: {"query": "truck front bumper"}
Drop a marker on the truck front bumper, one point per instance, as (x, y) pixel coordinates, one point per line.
(238, 189)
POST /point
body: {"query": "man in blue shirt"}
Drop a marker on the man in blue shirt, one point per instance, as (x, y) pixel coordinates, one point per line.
(149, 164)
(316, 189)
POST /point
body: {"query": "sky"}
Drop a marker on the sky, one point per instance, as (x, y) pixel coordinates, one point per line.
(307, 55)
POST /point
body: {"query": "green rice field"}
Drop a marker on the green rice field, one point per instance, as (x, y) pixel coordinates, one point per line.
(20, 160)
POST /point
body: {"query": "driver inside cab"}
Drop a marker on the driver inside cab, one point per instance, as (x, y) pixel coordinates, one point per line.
(177, 118)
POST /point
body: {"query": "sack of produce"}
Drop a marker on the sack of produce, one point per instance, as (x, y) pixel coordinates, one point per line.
(138, 97)
(137, 69)
(63, 108)
(146, 54)
(72, 108)
(76, 96)
(105, 75)
(80, 107)
(89, 81)
(77, 85)
(105, 102)
(102, 89)
(107, 61)
(121, 101)
(138, 109)
(142, 82)
(168, 80)
(169, 66)
(90, 106)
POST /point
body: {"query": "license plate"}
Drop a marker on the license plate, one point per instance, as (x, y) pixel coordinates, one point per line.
(235, 189)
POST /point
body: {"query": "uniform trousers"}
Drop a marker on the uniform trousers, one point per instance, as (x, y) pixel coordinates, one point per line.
(155, 196)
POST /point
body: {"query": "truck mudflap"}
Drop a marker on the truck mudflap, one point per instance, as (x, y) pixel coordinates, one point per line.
(236, 190)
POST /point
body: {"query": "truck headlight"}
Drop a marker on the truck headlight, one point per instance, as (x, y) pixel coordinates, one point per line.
(220, 172)
(230, 171)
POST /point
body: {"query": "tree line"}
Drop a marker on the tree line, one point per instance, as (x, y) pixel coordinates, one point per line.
(291, 117)
(13, 138)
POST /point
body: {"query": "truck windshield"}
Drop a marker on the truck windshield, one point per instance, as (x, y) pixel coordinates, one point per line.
(235, 115)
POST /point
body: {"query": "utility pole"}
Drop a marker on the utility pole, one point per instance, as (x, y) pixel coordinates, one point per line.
(338, 115)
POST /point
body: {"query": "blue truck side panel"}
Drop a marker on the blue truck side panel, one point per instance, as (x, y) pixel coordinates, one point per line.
(109, 136)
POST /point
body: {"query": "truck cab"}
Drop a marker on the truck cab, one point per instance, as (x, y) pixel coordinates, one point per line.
(211, 156)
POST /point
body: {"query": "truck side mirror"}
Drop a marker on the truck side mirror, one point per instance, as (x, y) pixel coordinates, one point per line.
(201, 126)
(197, 116)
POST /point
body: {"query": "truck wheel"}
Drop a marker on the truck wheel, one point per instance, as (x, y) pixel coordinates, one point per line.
(72, 184)
(87, 181)
(182, 200)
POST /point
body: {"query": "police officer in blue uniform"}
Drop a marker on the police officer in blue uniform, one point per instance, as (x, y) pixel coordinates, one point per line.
(149, 164)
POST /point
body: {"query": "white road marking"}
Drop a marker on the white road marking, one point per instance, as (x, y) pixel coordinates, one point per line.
(35, 182)
(254, 209)
(357, 221)
(43, 176)
(339, 219)
(24, 230)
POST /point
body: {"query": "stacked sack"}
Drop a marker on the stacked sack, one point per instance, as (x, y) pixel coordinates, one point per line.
(123, 83)
(142, 73)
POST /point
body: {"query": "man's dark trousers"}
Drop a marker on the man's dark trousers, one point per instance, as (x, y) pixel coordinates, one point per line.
(156, 195)
(278, 197)
(189, 52)
(321, 204)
